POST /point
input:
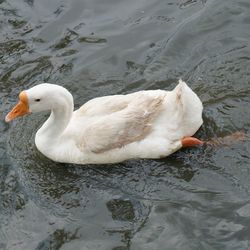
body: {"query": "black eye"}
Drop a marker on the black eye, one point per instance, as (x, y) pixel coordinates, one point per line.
(37, 100)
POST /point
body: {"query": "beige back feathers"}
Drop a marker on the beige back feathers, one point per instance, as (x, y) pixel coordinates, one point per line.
(131, 123)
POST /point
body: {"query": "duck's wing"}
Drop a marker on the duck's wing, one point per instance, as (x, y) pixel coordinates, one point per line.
(133, 123)
(106, 105)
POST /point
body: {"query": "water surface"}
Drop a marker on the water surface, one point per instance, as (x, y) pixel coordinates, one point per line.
(195, 199)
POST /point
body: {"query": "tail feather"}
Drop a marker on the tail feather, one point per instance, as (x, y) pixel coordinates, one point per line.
(190, 107)
(179, 89)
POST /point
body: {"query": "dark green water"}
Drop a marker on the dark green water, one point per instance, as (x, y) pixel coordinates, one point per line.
(193, 200)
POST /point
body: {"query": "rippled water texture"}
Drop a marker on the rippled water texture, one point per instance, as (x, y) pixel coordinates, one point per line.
(195, 199)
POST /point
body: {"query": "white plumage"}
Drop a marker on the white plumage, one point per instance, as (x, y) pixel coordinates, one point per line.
(144, 124)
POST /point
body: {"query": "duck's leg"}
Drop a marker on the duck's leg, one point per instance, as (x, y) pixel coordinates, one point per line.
(217, 141)
(191, 141)
(228, 140)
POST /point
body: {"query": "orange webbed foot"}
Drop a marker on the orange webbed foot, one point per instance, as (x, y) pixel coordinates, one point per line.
(191, 141)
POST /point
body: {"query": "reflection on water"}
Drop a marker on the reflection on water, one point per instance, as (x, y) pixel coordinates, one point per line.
(195, 199)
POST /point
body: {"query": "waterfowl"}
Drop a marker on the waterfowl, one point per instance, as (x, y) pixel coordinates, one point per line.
(110, 129)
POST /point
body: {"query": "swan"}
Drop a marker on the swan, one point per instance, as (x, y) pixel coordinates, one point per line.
(110, 129)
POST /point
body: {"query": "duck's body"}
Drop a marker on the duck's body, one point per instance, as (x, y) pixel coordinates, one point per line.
(145, 124)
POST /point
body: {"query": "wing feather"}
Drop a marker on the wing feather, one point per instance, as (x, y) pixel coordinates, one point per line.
(115, 130)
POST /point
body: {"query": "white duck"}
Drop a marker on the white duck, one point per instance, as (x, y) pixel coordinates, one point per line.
(109, 129)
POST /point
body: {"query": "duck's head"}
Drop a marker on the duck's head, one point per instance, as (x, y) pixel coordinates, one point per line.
(41, 97)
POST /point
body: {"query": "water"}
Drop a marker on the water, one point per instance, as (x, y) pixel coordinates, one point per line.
(195, 199)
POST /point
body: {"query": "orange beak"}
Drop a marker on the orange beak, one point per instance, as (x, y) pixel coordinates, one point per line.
(21, 108)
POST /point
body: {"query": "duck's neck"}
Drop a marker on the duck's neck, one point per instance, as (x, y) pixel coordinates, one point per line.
(59, 119)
